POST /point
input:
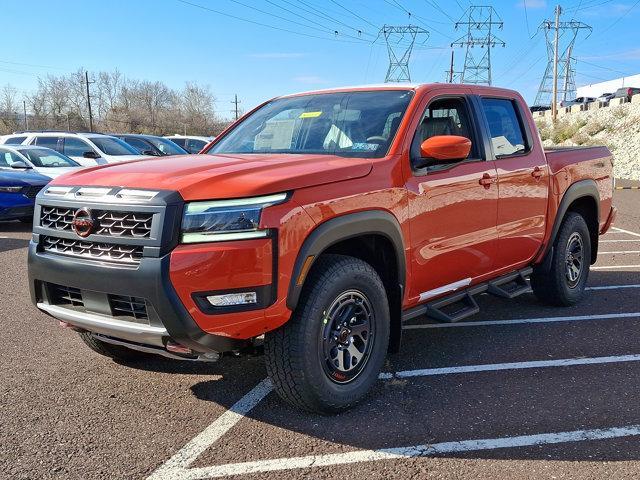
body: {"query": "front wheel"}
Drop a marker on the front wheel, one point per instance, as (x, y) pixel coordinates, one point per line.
(329, 354)
(565, 282)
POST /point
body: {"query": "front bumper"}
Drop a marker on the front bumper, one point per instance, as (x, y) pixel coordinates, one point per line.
(168, 319)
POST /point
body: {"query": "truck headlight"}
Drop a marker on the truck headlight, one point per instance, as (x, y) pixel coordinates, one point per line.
(223, 220)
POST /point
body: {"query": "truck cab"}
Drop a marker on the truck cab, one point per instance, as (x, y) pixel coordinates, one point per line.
(315, 226)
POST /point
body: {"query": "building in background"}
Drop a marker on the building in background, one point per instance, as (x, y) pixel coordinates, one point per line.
(610, 86)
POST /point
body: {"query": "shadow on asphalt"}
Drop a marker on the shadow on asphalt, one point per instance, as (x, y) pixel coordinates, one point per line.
(15, 226)
(8, 244)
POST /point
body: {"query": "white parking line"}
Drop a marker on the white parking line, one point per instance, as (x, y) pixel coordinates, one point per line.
(612, 287)
(621, 252)
(614, 267)
(177, 467)
(519, 321)
(628, 232)
(493, 367)
(294, 463)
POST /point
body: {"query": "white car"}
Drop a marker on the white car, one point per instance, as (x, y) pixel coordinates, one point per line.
(88, 149)
(43, 160)
(191, 143)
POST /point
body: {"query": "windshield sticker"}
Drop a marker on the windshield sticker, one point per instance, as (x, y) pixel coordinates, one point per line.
(310, 114)
(365, 147)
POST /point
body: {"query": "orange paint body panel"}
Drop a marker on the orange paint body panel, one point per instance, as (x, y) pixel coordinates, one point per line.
(466, 222)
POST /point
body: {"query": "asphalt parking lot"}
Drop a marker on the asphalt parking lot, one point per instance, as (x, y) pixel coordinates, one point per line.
(518, 391)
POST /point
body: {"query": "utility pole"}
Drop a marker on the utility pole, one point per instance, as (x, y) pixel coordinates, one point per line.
(451, 68)
(554, 104)
(86, 80)
(479, 22)
(567, 73)
(24, 110)
(400, 41)
(236, 110)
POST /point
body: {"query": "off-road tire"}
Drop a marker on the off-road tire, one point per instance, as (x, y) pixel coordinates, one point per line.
(116, 352)
(294, 353)
(554, 287)
(26, 220)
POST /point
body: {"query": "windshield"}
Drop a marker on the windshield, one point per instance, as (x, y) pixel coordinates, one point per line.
(46, 158)
(113, 146)
(167, 147)
(352, 124)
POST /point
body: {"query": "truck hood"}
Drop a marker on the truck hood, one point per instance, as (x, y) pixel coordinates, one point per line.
(201, 177)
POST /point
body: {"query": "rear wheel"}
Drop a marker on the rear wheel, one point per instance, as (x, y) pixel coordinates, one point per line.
(330, 353)
(564, 284)
(116, 352)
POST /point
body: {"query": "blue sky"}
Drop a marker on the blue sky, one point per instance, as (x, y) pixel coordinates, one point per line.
(172, 41)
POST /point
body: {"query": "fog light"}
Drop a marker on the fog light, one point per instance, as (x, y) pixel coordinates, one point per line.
(231, 299)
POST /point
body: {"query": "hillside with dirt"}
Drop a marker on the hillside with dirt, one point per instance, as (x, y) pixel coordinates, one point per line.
(617, 127)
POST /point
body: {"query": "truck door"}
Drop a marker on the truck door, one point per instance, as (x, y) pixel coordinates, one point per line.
(452, 206)
(523, 182)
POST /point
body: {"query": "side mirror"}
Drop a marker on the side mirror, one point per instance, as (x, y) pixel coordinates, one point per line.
(445, 148)
(20, 164)
(91, 154)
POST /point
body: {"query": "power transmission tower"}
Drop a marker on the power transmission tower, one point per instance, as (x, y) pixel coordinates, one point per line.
(480, 21)
(561, 38)
(400, 41)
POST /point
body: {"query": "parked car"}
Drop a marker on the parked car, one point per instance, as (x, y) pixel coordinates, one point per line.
(577, 101)
(85, 148)
(18, 190)
(539, 108)
(626, 92)
(192, 144)
(318, 224)
(40, 159)
(605, 97)
(151, 145)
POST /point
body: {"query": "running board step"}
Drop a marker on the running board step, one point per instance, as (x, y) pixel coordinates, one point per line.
(462, 304)
(510, 286)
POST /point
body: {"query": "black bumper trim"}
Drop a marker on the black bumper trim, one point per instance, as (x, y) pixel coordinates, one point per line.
(149, 280)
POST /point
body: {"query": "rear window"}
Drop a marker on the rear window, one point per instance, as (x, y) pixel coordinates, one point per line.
(15, 140)
(507, 135)
(49, 142)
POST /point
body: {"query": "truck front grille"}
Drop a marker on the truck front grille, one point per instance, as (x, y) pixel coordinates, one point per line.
(62, 295)
(108, 252)
(123, 305)
(109, 222)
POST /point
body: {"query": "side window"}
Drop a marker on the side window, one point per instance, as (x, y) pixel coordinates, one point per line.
(8, 158)
(505, 126)
(194, 146)
(138, 144)
(15, 140)
(180, 141)
(49, 142)
(448, 116)
(74, 147)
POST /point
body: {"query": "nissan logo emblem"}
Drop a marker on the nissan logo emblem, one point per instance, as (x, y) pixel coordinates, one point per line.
(83, 222)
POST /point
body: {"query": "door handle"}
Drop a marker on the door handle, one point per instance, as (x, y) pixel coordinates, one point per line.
(537, 173)
(486, 180)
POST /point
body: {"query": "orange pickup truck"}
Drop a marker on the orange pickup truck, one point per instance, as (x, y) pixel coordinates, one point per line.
(315, 226)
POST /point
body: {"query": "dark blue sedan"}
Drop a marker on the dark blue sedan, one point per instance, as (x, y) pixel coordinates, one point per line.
(18, 191)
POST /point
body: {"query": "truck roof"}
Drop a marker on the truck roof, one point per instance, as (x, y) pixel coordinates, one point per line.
(478, 89)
